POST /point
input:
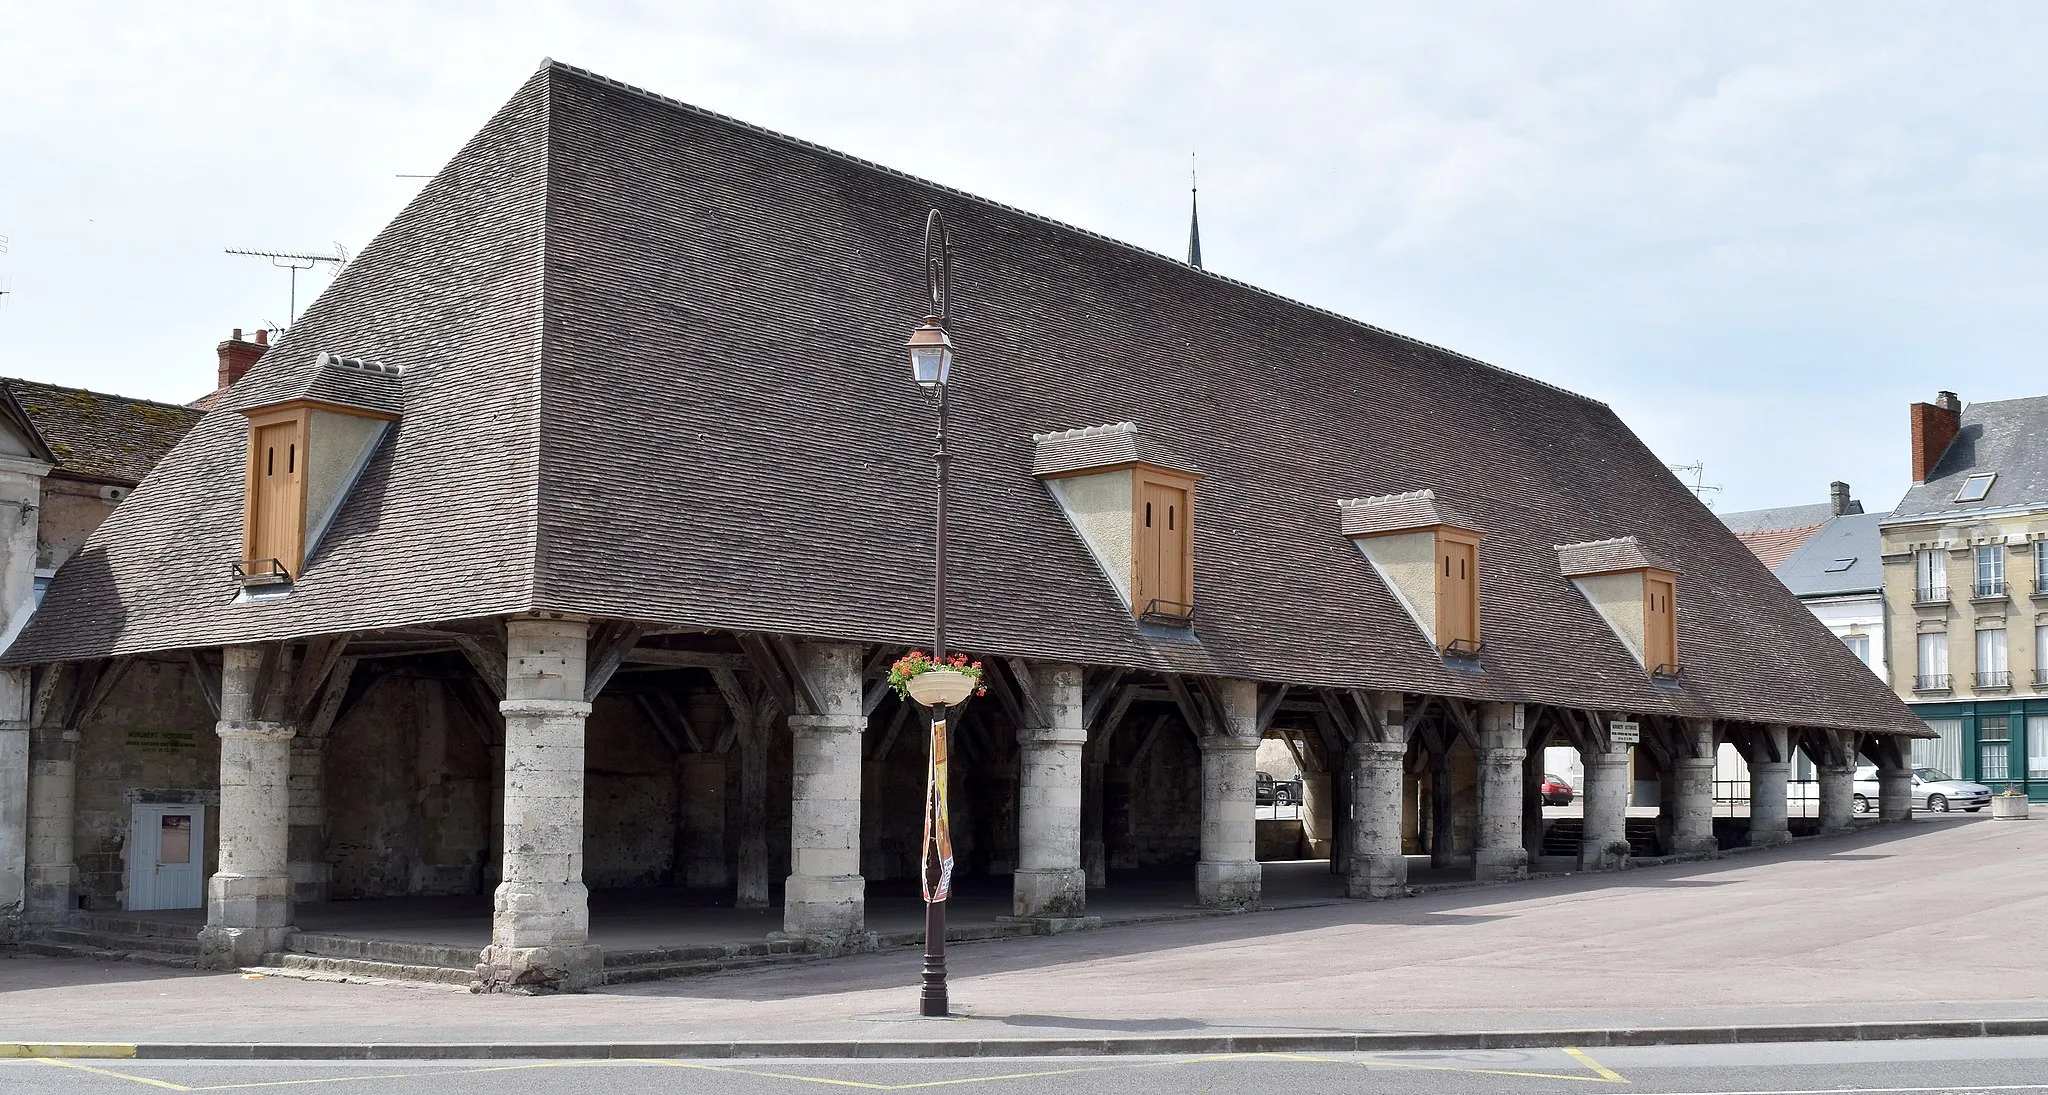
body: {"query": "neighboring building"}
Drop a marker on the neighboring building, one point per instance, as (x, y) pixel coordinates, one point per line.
(578, 523)
(67, 458)
(1966, 575)
(1827, 555)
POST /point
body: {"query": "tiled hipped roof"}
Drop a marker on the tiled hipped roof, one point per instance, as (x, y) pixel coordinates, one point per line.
(583, 432)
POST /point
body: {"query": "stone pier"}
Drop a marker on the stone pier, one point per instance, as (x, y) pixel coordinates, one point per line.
(1228, 875)
(540, 920)
(1049, 881)
(1692, 784)
(1378, 869)
(1318, 815)
(826, 897)
(1770, 775)
(1500, 855)
(1603, 843)
(52, 863)
(1894, 791)
(1837, 797)
(249, 899)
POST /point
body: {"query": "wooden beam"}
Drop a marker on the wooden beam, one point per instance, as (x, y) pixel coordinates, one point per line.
(94, 691)
(1190, 712)
(659, 720)
(486, 655)
(208, 680)
(1027, 693)
(1006, 697)
(317, 658)
(802, 688)
(1340, 715)
(1301, 761)
(684, 659)
(468, 695)
(1112, 719)
(1099, 694)
(608, 650)
(1269, 706)
(320, 720)
(1151, 735)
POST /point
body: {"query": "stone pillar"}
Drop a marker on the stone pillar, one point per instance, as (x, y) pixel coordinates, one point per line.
(1837, 797)
(700, 843)
(306, 842)
(1499, 855)
(826, 897)
(52, 864)
(1317, 830)
(14, 746)
(1094, 849)
(1048, 881)
(1603, 845)
(1228, 875)
(1770, 812)
(1691, 804)
(249, 899)
(1378, 770)
(540, 917)
(1894, 791)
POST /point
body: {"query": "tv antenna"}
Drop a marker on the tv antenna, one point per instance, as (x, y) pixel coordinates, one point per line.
(1699, 487)
(6, 286)
(295, 261)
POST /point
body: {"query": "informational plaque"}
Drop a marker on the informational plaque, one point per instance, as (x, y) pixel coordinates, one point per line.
(1624, 733)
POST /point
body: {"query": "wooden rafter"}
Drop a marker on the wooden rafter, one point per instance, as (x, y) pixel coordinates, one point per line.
(485, 654)
(326, 708)
(1190, 710)
(1027, 692)
(608, 649)
(208, 679)
(1100, 693)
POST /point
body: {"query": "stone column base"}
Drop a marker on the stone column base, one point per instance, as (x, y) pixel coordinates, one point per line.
(1500, 864)
(531, 971)
(1767, 837)
(224, 948)
(832, 908)
(1049, 892)
(51, 894)
(1608, 857)
(1705, 847)
(1229, 885)
(1377, 876)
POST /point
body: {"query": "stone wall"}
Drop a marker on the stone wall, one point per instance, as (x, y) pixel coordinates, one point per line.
(1153, 811)
(151, 741)
(409, 794)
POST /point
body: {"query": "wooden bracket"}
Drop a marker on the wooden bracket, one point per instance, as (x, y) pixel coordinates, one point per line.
(608, 649)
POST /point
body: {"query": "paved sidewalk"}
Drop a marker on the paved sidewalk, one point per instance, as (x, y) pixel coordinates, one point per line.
(1938, 920)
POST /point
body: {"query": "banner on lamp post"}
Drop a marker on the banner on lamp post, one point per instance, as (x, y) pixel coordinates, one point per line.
(938, 828)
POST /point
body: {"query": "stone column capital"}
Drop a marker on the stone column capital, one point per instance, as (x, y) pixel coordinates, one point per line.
(255, 729)
(830, 724)
(1380, 752)
(1049, 736)
(1226, 743)
(544, 709)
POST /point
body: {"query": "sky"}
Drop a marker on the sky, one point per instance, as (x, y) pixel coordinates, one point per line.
(1758, 230)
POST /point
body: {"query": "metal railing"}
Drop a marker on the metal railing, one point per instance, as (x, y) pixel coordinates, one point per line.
(1931, 682)
(2002, 679)
(1930, 595)
(1802, 797)
(1988, 589)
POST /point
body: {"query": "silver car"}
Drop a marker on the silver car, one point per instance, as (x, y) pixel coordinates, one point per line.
(1932, 789)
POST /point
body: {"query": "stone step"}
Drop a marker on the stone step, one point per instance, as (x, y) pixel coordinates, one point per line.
(111, 941)
(116, 924)
(396, 952)
(705, 952)
(100, 954)
(661, 971)
(325, 967)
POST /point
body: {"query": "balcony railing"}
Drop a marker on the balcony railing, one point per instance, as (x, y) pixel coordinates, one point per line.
(2000, 681)
(1931, 595)
(1989, 589)
(2041, 585)
(1931, 682)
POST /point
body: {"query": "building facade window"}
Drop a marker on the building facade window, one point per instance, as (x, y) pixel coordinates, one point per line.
(2041, 566)
(1930, 582)
(1991, 570)
(1994, 747)
(1858, 645)
(2041, 657)
(1992, 671)
(1945, 751)
(2037, 746)
(1933, 672)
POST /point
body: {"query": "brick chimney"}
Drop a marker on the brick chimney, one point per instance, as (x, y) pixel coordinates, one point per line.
(1838, 498)
(236, 356)
(1934, 426)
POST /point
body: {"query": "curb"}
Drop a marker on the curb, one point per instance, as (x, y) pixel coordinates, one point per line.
(1172, 1045)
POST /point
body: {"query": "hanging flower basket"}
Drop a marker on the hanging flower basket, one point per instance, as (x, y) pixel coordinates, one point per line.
(916, 676)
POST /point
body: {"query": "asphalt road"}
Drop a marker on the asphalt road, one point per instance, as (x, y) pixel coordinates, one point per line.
(1959, 1067)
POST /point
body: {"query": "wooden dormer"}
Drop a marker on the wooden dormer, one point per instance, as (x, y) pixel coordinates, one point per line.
(1133, 503)
(304, 454)
(1636, 594)
(1428, 558)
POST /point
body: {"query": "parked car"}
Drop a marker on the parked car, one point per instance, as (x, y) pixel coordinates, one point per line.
(1932, 790)
(1556, 792)
(1277, 792)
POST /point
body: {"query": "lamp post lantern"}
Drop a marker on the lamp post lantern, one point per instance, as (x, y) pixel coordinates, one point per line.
(931, 366)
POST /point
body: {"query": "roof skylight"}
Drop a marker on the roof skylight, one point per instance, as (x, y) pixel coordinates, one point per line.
(1976, 487)
(1841, 565)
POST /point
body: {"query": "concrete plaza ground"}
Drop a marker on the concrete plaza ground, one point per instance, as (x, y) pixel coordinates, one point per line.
(1940, 919)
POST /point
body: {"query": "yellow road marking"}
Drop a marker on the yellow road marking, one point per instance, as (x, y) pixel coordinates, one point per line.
(66, 1049)
(1605, 1072)
(1605, 1075)
(60, 1063)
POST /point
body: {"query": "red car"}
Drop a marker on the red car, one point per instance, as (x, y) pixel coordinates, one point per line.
(1556, 792)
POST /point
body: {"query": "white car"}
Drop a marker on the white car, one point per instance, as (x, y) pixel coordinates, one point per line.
(1932, 789)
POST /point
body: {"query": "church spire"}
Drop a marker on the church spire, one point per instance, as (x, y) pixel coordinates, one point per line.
(1194, 218)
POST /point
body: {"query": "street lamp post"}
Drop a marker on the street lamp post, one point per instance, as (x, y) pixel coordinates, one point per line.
(931, 363)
